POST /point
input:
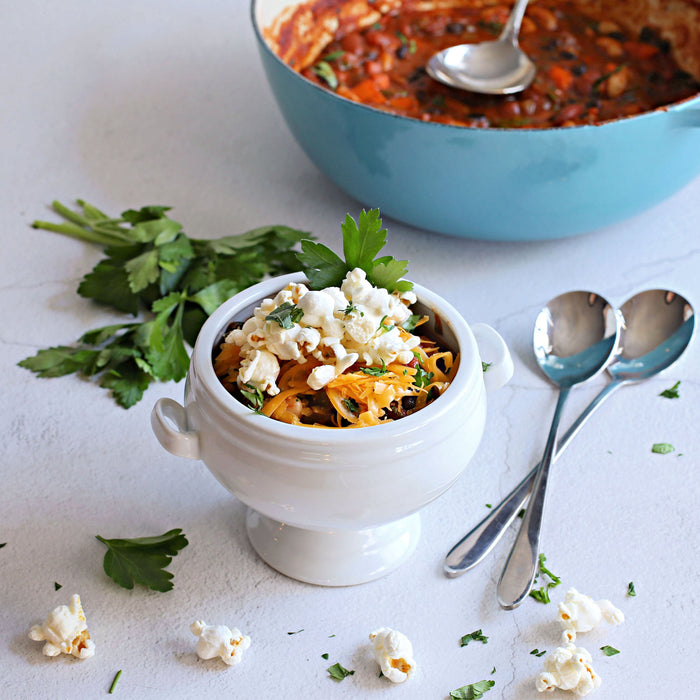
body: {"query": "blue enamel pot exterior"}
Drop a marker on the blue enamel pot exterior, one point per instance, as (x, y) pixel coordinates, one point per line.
(491, 184)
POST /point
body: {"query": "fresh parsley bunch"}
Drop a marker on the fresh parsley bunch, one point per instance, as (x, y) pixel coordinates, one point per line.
(154, 270)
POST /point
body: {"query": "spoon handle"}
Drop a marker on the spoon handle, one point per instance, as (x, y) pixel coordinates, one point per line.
(481, 539)
(521, 565)
(511, 28)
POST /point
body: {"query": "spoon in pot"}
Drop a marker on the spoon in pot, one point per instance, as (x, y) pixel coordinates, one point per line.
(575, 336)
(493, 67)
(657, 327)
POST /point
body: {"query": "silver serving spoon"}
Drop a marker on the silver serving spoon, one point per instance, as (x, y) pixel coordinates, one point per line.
(657, 327)
(575, 336)
(493, 67)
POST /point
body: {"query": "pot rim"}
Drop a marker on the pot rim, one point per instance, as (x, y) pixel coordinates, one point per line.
(673, 106)
(467, 383)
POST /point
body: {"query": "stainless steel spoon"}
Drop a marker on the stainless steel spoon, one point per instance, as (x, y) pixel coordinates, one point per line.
(575, 336)
(657, 327)
(493, 67)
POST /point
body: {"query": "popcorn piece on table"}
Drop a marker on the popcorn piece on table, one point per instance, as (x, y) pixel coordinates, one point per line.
(394, 653)
(568, 668)
(580, 613)
(219, 640)
(65, 630)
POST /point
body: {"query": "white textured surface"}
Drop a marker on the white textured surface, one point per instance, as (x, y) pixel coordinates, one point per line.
(131, 103)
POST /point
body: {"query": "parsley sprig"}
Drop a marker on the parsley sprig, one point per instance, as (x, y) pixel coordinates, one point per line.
(152, 269)
(362, 241)
(143, 559)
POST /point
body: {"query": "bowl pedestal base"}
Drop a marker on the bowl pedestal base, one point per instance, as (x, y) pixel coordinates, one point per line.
(333, 557)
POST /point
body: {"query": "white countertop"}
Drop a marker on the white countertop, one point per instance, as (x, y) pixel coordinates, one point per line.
(131, 103)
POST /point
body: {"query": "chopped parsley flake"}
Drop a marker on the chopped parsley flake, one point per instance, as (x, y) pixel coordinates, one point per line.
(662, 448)
(485, 365)
(411, 322)
(324, 656)
(422, 378)
(671, 393)
(353, 407)
(384, 327)
(338, 672)
(537, 652)
(114, 682)
(541, 595)
(57, 586)
(324, 71)
(473, 691)
(609, 651)
(375, 371)
(489, 505)
(476, 636)
(285, 315)
(631, 592)
(297, 632)
(254, 396)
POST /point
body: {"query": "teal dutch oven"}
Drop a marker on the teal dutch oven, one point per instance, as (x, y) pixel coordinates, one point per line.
(491, 184)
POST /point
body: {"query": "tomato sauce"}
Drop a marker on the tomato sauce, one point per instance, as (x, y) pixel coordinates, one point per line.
(587, 71)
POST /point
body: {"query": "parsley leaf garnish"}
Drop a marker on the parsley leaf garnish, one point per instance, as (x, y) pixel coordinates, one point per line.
(541, 595)
(662, 448)
(476, 636)
(152, 269)
(143, 559)
(609, 651)
(362, 241)
(473, 691)
(671, 393)
(375, 371)
(338, 672)
(631, 590)
(285, 315)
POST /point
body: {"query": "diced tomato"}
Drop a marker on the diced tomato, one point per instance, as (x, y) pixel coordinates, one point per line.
(640, 50)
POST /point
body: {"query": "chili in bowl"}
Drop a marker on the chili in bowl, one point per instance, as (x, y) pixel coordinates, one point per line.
(334, 507)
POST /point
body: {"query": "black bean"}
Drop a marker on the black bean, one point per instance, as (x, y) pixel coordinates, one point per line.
(455, 28)
(567, 55)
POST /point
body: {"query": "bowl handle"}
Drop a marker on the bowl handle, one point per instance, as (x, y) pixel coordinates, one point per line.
(169, 423)
(494, 352)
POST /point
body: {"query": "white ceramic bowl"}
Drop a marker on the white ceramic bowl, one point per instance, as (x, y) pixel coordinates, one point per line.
(334, 506)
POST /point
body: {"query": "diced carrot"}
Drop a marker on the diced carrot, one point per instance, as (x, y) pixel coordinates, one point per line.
(406, 103)
(561, 77)
(370, 90)
(640, 50)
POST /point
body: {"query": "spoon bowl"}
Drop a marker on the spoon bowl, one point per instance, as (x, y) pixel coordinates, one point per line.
(656, 329)
(492, 67)
(575, 336)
